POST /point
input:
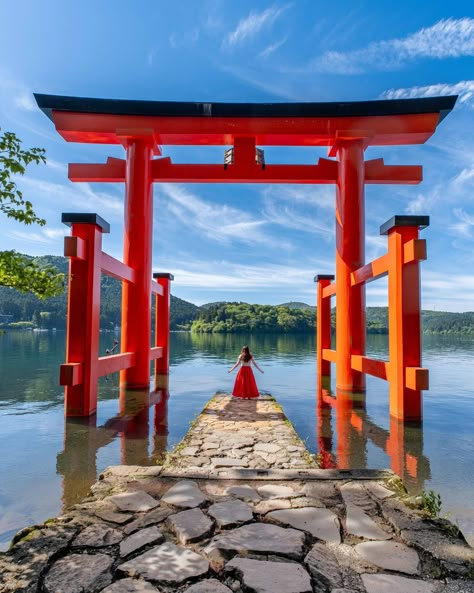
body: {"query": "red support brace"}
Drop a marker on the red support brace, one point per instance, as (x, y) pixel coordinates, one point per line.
(323, 331)
(162, 329)
(81, 371)
(407, 378)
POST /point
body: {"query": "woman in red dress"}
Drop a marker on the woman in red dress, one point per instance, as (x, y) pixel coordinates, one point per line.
(245, 385)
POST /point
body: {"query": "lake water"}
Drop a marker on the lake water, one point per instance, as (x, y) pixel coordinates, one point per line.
(48, 464)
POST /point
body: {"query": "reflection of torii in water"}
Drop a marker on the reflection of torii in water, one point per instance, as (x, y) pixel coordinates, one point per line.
(77, 463)
(354, 429)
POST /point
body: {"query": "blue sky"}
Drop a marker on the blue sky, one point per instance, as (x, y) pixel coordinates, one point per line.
(260, 244)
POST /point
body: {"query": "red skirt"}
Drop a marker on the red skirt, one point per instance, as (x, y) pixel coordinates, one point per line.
(245, 385)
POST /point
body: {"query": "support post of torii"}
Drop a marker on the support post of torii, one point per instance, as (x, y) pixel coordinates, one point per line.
(138, 228)
(350, 255)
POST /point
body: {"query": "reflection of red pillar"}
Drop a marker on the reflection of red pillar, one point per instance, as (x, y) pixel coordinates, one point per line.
(162, 329)
(134, 438)
(160, 422)
(407, 378)
(80, 373)
(77, 463)
(350, 255)
(136, 296)
(323, 330)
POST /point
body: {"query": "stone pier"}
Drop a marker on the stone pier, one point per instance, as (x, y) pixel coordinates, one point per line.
(240, 507)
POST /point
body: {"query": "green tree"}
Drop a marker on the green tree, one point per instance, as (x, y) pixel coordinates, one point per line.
(16, 270)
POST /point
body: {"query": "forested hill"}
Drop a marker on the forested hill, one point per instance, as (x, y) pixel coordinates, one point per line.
(26, 310)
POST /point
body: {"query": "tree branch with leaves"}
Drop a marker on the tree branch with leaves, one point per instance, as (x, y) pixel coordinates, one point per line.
(17, 270)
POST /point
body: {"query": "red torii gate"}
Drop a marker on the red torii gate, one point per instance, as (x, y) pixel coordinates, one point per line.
(347, 129)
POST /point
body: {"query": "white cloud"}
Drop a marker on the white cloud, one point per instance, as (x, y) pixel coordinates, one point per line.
(224, 276)
(287, 216)
(252, 24)
(220, 223)
(465, 90)
(25, 102)
(448, 38)
(74, 196)
(465, 224)
(272, 48)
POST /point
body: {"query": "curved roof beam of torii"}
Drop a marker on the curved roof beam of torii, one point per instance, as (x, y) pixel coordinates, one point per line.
(383, 122)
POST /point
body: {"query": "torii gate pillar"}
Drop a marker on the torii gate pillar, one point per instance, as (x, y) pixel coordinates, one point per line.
(350, 255)
(138, 228)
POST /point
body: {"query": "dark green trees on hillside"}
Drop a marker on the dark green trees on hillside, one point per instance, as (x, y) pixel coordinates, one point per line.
(242, 317)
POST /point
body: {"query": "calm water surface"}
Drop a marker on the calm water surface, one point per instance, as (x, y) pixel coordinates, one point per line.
(48, 464)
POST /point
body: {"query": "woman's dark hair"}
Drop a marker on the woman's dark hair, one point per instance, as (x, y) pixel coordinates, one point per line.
(245, 354)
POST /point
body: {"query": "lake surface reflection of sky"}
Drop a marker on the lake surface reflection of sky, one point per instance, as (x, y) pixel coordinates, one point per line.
(49, 464)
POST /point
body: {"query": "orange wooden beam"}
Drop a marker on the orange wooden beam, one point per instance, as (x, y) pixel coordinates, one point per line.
(376, 269)
(156, 352)
(377, 172)
(330, 355)
(115, 268)
(370, 366)
(330, 290)
(156, 288)
(115, 362)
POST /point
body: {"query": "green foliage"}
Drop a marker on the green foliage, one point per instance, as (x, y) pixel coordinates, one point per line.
(430, 504)
(13, 161)
(245, 318)
(16, 270)
(26, 275)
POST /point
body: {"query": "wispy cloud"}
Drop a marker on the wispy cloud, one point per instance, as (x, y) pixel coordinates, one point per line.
(465, 224)
(448, 38)
(465, 90)
(220, 223)
(253, 24)
(25, 102)
(224, 276)
(272, 48)
(79, 196)
(299, 219)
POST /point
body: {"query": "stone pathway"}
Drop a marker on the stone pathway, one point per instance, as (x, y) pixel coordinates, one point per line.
(203, 525)
(236, 433)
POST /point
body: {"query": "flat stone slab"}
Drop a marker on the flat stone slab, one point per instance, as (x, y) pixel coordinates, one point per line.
(321, 523)
(151, 518)
(166, 564)
(133, 501)
(228, 462)
(130, 586)
(323, 565)
(191, 451)
(267, 447)
(360, 524)
(190, 526)
(231, 512)
(112, 517)
(140, 539)
(78, 573)
(97, 536)
(208, 586)
(390, 556)
(260, 537)
(276, 491)
(184, 494)
(244, 492)
(261, 576)
(388, 583)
